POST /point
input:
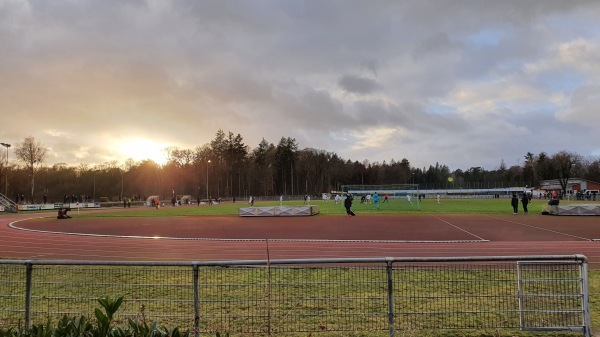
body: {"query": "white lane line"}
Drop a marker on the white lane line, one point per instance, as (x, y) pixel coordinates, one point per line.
(541, 228)
(14, 226)
(464, 230)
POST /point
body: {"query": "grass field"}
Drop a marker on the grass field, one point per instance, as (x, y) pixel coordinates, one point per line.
(300, 298)
(395, 206)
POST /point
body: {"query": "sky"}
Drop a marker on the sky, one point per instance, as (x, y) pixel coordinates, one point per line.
(456, 82)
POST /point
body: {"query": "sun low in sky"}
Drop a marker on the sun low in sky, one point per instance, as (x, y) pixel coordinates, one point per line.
(140, 149)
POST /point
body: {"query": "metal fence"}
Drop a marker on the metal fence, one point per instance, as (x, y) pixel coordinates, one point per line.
(384, 296)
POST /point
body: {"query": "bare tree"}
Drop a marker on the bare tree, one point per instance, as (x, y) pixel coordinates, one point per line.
(563, 165)
(32, 153)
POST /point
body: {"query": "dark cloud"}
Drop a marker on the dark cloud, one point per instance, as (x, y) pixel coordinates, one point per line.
(371, 64)
(358, 85)
(437, 44)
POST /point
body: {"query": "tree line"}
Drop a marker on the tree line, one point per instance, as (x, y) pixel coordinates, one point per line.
(226, 167)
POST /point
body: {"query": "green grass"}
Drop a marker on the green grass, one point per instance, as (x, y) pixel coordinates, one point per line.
(300, 297)
(395, 206)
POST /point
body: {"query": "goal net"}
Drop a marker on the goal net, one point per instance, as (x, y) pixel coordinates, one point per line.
(410, 192)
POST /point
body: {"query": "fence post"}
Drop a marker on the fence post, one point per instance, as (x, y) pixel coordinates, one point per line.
(196, 302)
(28, 276)
(390, 293)
(586, 298)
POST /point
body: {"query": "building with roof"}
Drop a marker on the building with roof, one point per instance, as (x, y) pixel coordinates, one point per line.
(574, 185)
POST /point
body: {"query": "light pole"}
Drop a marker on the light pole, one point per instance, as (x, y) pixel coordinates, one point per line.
(122, 173)
(6, 178)
(208, 162)
(94, 194)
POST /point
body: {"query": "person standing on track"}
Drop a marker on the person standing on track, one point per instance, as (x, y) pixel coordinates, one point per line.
(515, 203)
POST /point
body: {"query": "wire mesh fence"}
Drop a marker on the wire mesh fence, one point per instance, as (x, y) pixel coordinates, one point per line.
(287, 297)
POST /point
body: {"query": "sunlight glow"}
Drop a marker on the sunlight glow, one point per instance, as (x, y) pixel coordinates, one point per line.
(141, 149)
(373, 137)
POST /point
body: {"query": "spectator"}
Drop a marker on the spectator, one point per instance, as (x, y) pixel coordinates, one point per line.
(525, 201)
(515, 203)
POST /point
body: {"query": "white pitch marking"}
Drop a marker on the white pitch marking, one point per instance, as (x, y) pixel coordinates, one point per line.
(540, 228)
(464, 230)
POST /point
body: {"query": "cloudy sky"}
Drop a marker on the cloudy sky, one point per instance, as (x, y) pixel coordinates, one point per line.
(462, 83)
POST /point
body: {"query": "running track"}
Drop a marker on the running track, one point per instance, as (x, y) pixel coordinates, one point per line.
(217, 238)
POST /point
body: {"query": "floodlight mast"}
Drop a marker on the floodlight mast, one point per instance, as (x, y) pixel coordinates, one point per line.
(208, 162)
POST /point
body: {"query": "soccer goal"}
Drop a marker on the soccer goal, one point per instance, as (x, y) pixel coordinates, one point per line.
(409, 192)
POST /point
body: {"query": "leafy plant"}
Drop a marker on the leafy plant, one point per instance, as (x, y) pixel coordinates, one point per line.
(41, 330)
(175, 332)
(82, 327)
(105, 319)
(142, 329)
(76, 327)
(10, 332)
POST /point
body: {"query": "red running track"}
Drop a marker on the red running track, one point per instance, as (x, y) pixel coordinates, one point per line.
(218, 238)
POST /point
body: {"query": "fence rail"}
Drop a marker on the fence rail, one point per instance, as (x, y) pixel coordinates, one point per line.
(6, 204)
(281, 297)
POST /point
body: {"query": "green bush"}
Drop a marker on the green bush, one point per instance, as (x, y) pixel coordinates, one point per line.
(103, 327)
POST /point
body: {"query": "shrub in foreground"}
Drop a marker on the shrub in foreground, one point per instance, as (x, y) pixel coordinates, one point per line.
(102, 327)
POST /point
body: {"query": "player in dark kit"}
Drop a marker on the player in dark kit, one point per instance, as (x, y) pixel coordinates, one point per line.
(348, 205)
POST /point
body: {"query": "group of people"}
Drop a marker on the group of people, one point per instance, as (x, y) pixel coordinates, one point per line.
(75, 198)
(525, 200)
(349, 198)
(368, 198)
(20, 199)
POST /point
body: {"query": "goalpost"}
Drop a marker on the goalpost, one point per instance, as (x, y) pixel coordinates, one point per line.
(394, 191)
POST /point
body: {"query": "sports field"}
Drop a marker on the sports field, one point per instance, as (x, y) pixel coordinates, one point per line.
(461, 227)
(457, 227)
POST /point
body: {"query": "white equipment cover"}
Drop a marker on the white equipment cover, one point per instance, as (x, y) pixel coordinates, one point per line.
(583, 209)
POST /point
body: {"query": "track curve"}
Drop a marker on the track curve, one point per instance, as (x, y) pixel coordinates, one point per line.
(30, 236)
